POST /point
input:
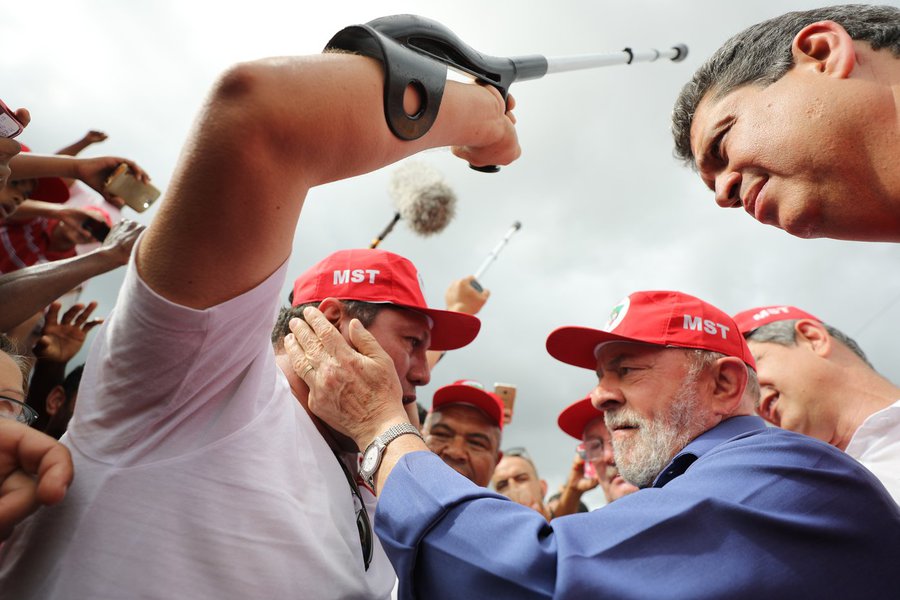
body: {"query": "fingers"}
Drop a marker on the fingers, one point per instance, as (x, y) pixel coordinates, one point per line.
(364, 342)
(299, 363)
(114, 200)
(52, 313)
(55, 474)
(83, 316)
(18, 499)
(30, 452)
(323, 339)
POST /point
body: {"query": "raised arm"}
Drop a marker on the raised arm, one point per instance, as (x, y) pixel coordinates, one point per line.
(269, 131)
(28, 290)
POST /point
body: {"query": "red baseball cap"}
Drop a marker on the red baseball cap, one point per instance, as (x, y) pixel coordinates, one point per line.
(575, 417)
(381, 277)
(467, 391)
(662, 318)
(749, 321)
(48, 189)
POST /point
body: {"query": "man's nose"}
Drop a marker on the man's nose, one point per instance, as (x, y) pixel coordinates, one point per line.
(419, 374)
(728, 189)
(605, 396)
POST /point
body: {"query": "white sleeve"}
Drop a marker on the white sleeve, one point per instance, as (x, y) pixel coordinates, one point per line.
(162, 379)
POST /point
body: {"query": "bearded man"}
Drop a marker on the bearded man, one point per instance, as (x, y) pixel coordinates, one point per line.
(729, 508)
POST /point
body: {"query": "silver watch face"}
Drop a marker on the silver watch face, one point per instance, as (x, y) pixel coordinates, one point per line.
(370, 459)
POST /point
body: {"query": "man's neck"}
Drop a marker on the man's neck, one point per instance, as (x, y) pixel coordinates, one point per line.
(859, 395)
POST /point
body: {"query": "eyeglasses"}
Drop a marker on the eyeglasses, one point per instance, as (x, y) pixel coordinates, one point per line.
(591, 449)
(19, 411)
(363, 526)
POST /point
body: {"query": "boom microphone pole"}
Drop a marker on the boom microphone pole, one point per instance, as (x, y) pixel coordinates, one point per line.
(493, 255)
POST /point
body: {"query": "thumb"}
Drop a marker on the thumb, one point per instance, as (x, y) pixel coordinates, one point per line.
(364, 342)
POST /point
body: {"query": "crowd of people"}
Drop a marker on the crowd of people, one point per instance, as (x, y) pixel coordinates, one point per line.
(223, 447)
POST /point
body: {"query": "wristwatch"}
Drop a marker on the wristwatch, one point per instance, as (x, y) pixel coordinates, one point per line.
(375, 451)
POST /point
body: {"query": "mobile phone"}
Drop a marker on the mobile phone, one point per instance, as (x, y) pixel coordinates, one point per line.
(10, 126)
(98, 229)
(589, 471)
(136, 194)
(507, 393)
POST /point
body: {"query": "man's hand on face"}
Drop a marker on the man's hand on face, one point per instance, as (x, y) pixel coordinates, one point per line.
(352, 386)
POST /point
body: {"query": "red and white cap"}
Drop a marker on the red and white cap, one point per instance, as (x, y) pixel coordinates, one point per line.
(381, 277)
(749, 321)
(467, 391)
(575, 417)
(662, 318)
(48, 189)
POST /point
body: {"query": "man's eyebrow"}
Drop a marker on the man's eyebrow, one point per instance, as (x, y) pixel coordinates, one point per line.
(703, 156)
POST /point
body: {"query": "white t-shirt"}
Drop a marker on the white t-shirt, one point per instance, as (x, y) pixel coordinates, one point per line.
(198, 474)
(876, 444)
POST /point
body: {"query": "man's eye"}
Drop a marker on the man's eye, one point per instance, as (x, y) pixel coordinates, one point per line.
(501, 485)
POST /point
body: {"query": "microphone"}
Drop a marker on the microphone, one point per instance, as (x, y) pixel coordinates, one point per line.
(421, 198)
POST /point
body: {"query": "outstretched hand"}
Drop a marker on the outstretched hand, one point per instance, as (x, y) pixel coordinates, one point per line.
(35, 469)
(353, 388)
(95, 171)
(62, 338)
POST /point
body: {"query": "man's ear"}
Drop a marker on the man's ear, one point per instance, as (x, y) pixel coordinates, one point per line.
(333, 310)
(543, 488)
(729, 378)
(55, 400)
(814, 336)
(825, 47)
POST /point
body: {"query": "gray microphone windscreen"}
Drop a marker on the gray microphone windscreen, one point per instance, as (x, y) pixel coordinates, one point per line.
(422, 197)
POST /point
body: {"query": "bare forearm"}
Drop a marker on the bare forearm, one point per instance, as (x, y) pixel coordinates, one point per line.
(28, 290)
(36, 208)
(31, 166)
(271, 130)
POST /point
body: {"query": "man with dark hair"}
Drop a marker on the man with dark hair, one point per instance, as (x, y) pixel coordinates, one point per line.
(201, 474)
(732, 508)
(60, 403)
(464, 428)
(795, 120)
(816, 380)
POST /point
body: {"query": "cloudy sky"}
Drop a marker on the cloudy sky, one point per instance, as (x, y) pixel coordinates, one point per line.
(605, 208)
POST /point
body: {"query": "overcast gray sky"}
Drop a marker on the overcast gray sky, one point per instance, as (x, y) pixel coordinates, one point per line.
(605, 208)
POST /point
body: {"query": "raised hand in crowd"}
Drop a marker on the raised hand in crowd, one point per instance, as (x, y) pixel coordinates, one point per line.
(29, 290)
(75, 148)
(35, 470)
(574, 488)
(64, 336)
(92, 171)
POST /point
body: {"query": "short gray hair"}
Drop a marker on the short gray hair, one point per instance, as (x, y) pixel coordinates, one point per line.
(761, 55)
(699, 360)
(784, 333)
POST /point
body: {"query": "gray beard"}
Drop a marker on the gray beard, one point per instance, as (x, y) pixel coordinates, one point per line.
(641, 457)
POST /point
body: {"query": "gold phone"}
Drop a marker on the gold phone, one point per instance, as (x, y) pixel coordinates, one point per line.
(136, 194)
(507, 393)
